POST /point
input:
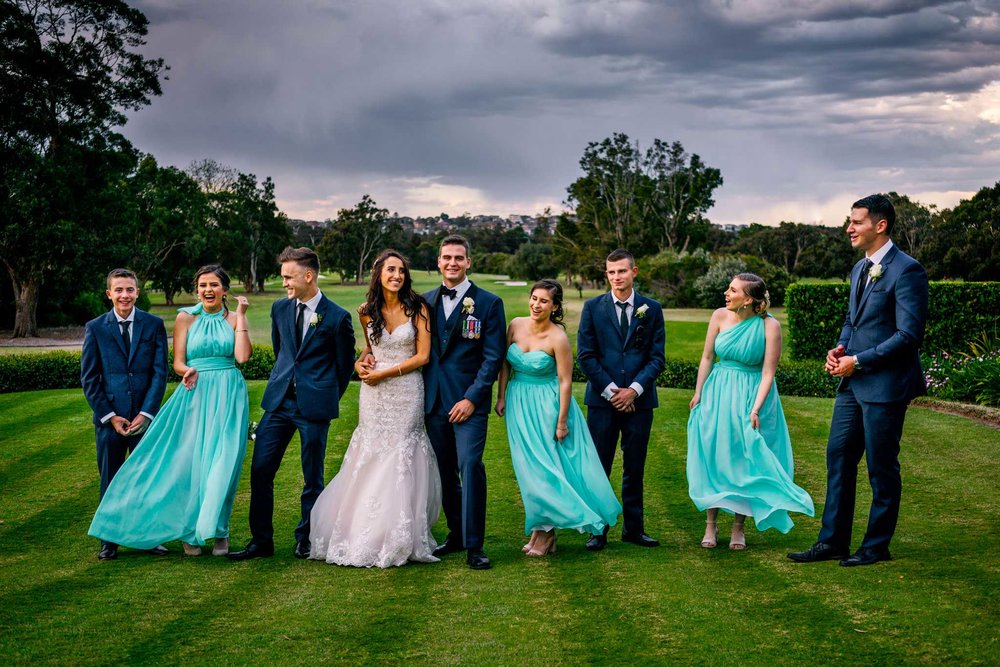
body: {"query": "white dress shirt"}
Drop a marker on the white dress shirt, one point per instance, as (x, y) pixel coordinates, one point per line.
(449, 303)
(311, 306)
(131, 332)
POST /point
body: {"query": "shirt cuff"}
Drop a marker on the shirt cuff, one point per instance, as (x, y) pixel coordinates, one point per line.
(146, 415)
(106, 418)
(637, 388)
(607, 393)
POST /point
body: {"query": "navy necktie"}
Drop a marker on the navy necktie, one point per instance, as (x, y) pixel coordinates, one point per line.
(623, 323)
(862, 281)
(125, 337)
(299, 319)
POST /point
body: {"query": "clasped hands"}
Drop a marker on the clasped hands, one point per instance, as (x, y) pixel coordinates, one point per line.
(623, 400)
(838, 363)
(129, 428)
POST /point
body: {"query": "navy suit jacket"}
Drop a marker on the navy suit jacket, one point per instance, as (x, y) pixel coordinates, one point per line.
(606, 357)
(321, 369)
(886, 329)
(126, 386)
(465, 367)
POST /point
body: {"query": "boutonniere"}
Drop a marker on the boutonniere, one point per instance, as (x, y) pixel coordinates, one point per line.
(640, 312)
(315, 319)
(468, 305)
(252, 431)
(875, 272)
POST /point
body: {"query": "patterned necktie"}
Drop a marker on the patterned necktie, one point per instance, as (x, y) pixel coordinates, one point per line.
(862, 281)
(623, 323)
(299, 320)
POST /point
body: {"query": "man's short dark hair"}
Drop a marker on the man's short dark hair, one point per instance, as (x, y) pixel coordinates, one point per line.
(456, 239)
(122, 273)
(620, 254)
(303, 256)
(879, 208)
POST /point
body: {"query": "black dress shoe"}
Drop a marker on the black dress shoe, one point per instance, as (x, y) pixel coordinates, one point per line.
(451, 545)
(302, 549)
(477, 560)
(108, 552)
(865, 556)
(252, 550)
(818, 552)
(597, 542)
(158, 550)
(642, 540)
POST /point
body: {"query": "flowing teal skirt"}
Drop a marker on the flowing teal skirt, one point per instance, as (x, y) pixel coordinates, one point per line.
(563, 485)
(180, 481)
(735, 468)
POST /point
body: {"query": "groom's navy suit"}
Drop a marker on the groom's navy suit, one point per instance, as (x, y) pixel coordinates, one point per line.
(120, 383)
(606, 356)
(884, 330)
(303, 393)
(463, 368)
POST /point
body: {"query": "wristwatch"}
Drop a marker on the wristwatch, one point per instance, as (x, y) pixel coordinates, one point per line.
(857, 364)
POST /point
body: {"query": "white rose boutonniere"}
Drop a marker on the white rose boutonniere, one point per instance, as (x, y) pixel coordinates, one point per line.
(875, 272)
(468, 305)
(640, 312)
(315, 319)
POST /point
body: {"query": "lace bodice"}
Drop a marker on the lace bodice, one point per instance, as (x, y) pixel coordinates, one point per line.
(395, 347)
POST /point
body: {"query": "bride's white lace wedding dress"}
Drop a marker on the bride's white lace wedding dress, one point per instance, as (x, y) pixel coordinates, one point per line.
(379, 509)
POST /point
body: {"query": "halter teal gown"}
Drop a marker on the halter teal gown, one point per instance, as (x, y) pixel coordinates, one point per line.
(180, 481)
(563, 485)
(729, 464)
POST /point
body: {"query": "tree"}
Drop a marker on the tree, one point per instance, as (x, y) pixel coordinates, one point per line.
(681, 188)
(69, 70)
(913, 223)
(964, 242)
(533, 261)
(352, 240)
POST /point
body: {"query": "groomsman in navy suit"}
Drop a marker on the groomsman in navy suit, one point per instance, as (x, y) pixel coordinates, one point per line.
(467, 348)
(620, 349)
(123, 371)
(878, 361)
(313, 341)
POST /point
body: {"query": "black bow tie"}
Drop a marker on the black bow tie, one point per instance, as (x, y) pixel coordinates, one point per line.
(447, 291)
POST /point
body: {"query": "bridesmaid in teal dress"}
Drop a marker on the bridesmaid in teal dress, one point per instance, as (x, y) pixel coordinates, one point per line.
(739, 455)
(180, 481)
(562, 482)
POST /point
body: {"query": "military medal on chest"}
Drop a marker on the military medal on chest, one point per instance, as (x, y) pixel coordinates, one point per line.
(473, 328)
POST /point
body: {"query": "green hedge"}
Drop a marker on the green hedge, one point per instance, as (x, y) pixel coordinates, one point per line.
(61, 370)
(958, 313)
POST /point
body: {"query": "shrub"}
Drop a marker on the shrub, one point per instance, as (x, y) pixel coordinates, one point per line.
(805, 378)
(710, 287)
(669, 276)
(958, 312)
(31, 372)
(972, 376)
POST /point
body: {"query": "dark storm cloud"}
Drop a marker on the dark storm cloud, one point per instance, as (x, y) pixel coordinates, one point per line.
(336, 99)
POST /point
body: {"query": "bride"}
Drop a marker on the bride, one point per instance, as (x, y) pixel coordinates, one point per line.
(379, 509)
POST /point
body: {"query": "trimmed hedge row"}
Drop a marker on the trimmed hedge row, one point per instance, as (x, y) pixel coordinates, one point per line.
(958, 313)
(61, 370)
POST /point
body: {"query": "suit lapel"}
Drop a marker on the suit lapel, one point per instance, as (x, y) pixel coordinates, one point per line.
(889, 256)
(614, 313)
(321, 309)
(432, 305)
(115, 332)
(456, 315)
(136, 330)
(634, 323)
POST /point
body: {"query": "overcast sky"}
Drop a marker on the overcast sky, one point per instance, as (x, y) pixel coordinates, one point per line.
(486, 106)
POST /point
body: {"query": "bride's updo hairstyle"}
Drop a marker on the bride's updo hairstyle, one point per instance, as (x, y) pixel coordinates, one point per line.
(375, 300)
(223, 278)
(754, 287)
(555, 291)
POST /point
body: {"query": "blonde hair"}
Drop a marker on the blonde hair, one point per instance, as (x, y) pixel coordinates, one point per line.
(754, 287)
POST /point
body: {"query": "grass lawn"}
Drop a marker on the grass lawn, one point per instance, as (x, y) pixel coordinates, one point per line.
(935, 603)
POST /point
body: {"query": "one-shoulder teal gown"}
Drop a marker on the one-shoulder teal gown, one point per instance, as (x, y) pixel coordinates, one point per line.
(180, 481)
(563, 484)
(729, 464)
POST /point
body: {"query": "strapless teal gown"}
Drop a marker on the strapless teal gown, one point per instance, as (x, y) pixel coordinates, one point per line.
(729, 464)
(563, 485)
(180, 481)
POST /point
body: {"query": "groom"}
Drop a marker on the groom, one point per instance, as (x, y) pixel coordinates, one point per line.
(620, 349)
(878, 362)
(313, 341)
(467, 349)
(123, 372)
